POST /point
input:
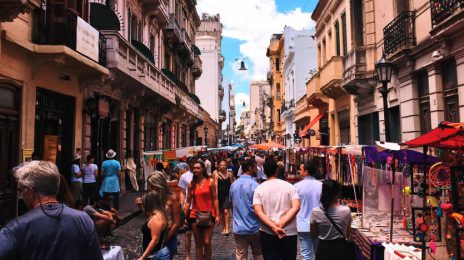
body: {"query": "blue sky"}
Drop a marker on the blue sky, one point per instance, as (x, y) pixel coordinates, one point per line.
(248, 26)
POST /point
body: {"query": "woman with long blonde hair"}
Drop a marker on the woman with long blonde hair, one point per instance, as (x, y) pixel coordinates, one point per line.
(155, 230)
(158, 182)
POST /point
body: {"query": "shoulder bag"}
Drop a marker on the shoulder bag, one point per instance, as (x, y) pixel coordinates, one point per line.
(348, 247)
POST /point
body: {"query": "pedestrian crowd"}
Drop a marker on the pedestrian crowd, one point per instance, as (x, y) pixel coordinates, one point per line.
(269, 215)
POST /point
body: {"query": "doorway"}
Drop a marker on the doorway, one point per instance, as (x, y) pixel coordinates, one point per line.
(54, 128)
(9, 149)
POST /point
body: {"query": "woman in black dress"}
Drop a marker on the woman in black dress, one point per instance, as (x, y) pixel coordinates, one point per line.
(224, 179)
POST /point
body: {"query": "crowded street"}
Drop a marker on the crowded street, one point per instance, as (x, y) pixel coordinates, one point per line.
(232, 129)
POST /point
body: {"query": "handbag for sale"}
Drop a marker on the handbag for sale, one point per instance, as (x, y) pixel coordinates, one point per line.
(348, 248)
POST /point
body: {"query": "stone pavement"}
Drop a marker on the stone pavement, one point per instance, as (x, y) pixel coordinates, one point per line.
(129, 237)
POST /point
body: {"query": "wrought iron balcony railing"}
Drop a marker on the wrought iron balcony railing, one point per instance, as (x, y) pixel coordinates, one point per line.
(400, 33)
(442, 9)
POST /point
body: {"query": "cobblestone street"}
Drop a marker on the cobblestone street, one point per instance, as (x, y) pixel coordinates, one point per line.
(129, 238)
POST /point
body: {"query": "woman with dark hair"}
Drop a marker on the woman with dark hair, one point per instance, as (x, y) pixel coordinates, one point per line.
(90, 185)
(223, 179)
(204, 214)
(155, 230)
(331, 223)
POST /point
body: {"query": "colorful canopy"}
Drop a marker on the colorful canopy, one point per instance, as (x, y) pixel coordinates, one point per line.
(268, 146)
(446, 136)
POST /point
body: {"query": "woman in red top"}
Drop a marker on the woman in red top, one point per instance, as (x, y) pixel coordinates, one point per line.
(203, 198)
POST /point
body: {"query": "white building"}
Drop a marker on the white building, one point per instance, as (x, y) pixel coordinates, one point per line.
(260, 110)
(208, 87)
(299, 60)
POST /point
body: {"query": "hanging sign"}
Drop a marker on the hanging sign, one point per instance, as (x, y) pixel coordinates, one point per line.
(87, 39)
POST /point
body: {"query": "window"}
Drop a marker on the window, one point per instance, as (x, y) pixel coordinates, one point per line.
(150, 132)
(337, 37)
(424, 101)
(395, 124)
(134, 27)
(368, 128)
(152, 44)
(277, 64)
(344, 34)
(344, 124)
(278, 91)
(358, 20)
(324, 49)
(278, 115)
(450, 91)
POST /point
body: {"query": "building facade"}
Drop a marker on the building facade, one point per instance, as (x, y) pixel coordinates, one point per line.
(260, 110)
(88, 76)
(334, 42)
(209, 87)
(427, 85)
(275, 52)
(299, 60)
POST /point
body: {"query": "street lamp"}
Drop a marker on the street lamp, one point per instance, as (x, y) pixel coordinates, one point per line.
(206, 135)
(384, 73)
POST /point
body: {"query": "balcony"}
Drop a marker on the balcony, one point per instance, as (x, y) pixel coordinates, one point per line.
(197, 67)
(330, 77)
(221, 91)
(221, 61)
(129, 63)
(357, 79)
(186, 49)
(222, 115)
(400, 34)
(270, 77)
(161, 13)
(10, 9)
(63, 32)
(447, 17)
(173, 30)
(314, 96)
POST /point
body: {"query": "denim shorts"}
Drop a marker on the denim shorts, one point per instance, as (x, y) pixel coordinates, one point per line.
(172, 245)
(162, 254)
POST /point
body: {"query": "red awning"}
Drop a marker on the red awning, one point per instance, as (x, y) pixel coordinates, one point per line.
(446, 136)
(304, 132)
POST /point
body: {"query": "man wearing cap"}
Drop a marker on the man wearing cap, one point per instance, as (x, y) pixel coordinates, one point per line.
(110, 171)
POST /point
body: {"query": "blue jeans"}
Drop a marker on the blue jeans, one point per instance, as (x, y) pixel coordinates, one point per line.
(308, 245)
(162, 254)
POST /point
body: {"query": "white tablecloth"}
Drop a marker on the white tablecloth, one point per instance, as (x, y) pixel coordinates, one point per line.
(115, 253)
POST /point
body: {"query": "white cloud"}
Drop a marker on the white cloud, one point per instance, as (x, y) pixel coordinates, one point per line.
(254, 22)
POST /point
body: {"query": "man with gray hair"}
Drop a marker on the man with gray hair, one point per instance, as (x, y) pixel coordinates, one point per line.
(50, 229)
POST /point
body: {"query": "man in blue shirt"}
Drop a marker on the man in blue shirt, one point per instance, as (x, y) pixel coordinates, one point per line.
(50, 229)
(246, 224)
(309, 190)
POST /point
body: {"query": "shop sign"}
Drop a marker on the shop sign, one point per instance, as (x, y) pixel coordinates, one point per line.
(51, 148)
(87, 39)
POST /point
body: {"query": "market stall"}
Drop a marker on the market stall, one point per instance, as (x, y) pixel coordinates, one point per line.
(444, 183)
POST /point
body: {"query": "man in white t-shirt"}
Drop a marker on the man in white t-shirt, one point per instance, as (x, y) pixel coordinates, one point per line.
(276, 203)
(184, 180)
